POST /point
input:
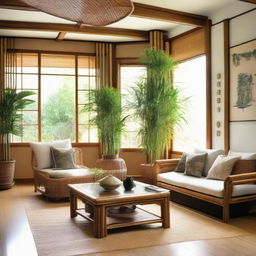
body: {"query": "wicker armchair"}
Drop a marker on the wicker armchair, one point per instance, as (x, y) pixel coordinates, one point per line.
(57, 187)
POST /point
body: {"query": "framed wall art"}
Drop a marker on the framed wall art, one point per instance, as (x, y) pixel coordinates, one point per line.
(243, 82)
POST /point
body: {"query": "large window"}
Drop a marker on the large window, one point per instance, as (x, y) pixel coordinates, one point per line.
(129, 77)
(61, 84)
(191, 78)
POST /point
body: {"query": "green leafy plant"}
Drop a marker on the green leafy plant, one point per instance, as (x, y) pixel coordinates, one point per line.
(11, 102)
(158, 105)
(106, 103)
(97, 172)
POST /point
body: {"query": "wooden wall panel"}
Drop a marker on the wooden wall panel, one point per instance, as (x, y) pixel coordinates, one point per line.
(189, 45)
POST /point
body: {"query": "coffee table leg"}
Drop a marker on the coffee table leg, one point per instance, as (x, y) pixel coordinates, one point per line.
(73, 205)
(100, 228)
(165, 212)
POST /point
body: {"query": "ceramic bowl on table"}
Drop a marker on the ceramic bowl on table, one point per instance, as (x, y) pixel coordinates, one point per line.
(110, 183)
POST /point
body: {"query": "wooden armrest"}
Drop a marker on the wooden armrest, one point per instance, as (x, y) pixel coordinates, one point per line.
(243, 178)
(165, 165)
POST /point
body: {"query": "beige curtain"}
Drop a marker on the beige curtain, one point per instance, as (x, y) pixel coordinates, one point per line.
(8, 78)
(157, 39)
(104, 64)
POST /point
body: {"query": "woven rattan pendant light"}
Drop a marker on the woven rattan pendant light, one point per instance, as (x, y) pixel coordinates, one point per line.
(90, 12)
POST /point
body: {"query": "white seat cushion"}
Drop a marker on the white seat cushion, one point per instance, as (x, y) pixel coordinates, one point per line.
(204, 185)
(67, 173)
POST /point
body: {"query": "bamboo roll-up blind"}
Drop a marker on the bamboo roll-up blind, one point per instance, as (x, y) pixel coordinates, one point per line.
(8, 79)
(157, 39)
(8, 64)
(189, 45)
(104, 64)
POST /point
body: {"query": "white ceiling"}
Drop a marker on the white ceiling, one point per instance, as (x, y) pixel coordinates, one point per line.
(202, 7)
(31, 16)
(142, 24)
(27, 33)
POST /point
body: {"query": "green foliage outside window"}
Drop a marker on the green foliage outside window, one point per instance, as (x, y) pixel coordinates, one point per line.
(58, 114)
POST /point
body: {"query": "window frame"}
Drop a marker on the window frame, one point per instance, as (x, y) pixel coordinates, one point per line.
(75, 54)
(172, 152)
(128, 62)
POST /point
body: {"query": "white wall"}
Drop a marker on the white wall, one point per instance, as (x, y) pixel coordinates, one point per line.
(217, 68)
(242, 29)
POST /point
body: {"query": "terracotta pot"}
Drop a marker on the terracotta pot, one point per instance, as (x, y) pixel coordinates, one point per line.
(147, 173)
(6, 174)
(109, 156)
(115, 166)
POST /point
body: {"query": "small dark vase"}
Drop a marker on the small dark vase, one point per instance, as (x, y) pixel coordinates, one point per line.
(128, 183)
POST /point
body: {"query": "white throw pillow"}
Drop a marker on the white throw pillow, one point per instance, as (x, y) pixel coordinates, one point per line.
(222, 167)
(212, 154)
(42, 151)
(243, 156)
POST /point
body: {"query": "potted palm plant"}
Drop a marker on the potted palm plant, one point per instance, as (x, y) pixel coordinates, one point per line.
(158, 105)
(11, 102)
(106, 103)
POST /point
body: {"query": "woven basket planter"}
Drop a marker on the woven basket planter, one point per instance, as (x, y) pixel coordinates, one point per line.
(6, 174)
(113, 165)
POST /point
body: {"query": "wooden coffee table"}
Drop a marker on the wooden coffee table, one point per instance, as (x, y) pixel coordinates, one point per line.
(101, 201)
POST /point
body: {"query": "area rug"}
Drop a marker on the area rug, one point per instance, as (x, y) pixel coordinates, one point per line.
(56, 234)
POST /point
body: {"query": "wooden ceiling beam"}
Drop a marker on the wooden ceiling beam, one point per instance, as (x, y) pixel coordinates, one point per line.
(140, 10)
(16, 4)
(69, 28)
(61, 36)
(249, 1)
(168, 15)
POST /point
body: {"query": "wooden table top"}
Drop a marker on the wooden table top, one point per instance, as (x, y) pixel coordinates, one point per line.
(96, 193)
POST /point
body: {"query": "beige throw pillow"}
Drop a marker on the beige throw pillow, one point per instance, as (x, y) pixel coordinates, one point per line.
(42, 151)
(222, 167)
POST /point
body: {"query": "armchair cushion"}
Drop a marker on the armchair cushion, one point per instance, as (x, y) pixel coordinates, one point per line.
(66, 173)
(63, 158)
(42, 151)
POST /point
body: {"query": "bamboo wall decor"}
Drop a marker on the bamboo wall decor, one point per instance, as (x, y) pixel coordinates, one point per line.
(104, 64)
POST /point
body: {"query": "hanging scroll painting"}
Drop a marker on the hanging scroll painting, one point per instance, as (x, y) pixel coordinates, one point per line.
(243, 82)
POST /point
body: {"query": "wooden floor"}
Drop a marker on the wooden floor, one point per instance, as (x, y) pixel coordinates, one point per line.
(16, 238)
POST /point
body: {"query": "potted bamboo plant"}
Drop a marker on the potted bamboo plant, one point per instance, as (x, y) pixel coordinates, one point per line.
(11, 102)
(158, 105)
(106, 103)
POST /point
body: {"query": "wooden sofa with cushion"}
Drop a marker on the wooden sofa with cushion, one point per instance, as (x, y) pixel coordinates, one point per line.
(238, 187)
